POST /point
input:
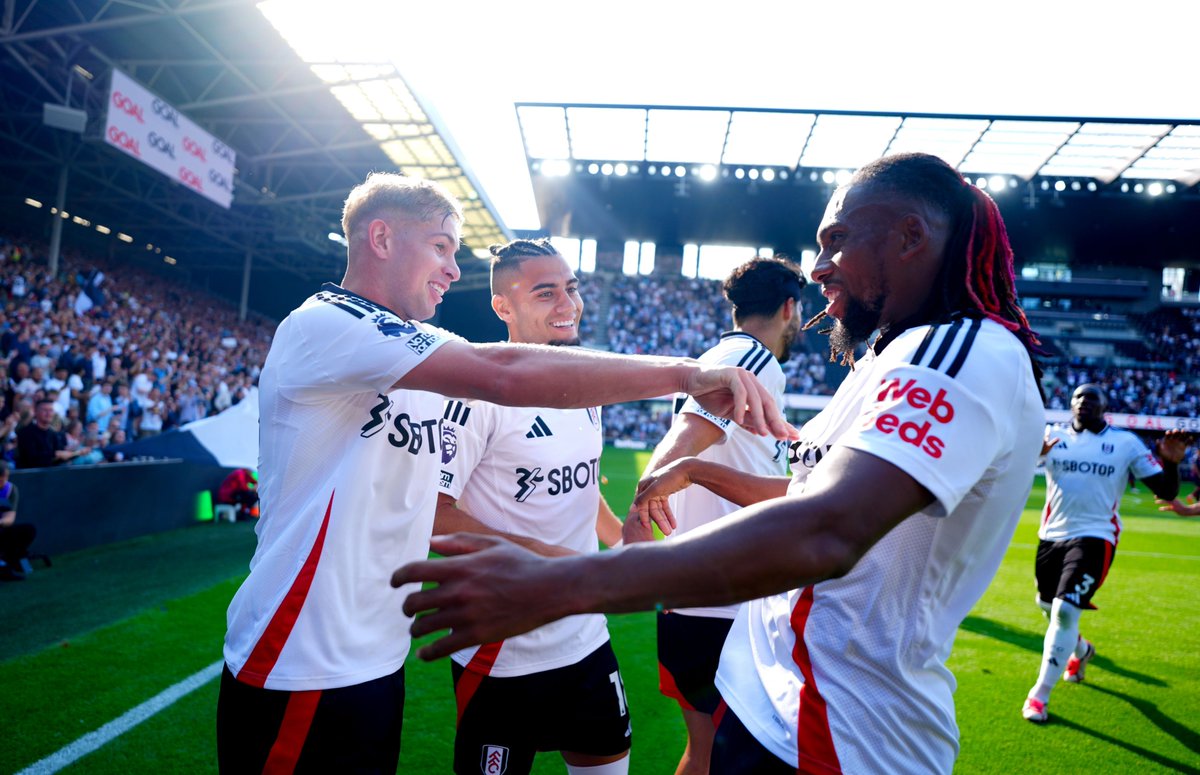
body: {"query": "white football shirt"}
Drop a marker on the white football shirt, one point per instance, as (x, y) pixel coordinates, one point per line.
(850, 673)
(1086, 473)
(739, 449)
(530, 472)
(348, 470)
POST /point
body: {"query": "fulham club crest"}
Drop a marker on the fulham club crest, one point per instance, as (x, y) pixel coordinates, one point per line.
(494, 760)
(1106, 448)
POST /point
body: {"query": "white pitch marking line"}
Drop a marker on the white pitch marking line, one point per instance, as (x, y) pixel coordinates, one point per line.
(71, 753)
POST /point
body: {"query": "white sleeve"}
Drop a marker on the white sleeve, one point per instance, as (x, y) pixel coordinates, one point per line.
(465, 434)
(335, 352)
(1142, 461)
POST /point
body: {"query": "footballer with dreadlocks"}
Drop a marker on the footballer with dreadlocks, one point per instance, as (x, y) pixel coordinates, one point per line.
(906, 493)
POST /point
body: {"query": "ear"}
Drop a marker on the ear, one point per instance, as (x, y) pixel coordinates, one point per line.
(915, 235)
(502, 308)
(378, 236)
(788, 310)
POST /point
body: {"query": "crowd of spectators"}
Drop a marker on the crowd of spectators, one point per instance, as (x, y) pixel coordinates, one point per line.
(1162, 392)
(684, 316)
(112, 353)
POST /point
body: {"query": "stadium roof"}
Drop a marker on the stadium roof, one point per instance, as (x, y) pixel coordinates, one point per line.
(310, 95)
(305, 132)
(791, 142)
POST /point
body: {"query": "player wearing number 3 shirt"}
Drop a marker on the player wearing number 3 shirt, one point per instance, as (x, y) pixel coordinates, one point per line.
(1088, 464)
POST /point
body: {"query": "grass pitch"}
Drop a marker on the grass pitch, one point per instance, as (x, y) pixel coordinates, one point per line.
(104, 630)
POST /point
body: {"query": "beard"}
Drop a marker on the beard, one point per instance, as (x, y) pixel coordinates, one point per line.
(859, 321)
(565, 342)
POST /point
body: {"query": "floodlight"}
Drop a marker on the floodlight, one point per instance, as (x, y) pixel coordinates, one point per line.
(1060, 185)
(606, 168)
(1075, 185)
(554, 168)
(1138, 188)
(754, 174)
(680, 171)
(981, 183)
(827, 176)
(32, 202)
(1154, 189)
(593, 168)
(708, 173)
(1091, 186)
(1171, 188)
(997, 183)
(103, 229)
(622, 169)
(768, 175)
(653, 170)
(739, 173)
(1124, 188)
(124, 237)
(843, 177)
(1045, 185)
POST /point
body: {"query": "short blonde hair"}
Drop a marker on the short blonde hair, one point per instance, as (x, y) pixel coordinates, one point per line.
(387, 192)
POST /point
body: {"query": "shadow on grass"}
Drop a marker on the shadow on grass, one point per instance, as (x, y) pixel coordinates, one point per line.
(1032, 641)
(1187, 737)
(1145, 753)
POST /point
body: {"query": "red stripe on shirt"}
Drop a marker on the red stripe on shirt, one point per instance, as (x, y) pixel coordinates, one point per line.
(293, 731)
(813, 736)
(266, 652)
(473, 674)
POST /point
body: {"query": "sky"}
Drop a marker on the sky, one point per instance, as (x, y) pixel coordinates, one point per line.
(469, 61)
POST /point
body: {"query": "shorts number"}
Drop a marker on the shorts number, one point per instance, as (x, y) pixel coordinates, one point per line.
(614, 678)
(1082, 589)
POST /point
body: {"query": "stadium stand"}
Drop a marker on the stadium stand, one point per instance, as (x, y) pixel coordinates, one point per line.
(1147, 362)
(167, 354)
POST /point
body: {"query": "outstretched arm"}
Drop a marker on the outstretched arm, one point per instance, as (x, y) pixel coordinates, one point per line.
(735, 486)
(608, 526)
(771, 547)
(449, 518)
(1171, 449)
(570, 378)
(688, 436)
(1179, 507)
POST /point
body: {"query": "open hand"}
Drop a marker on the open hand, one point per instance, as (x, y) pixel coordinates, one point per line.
(729, 391)
(495, 590)
(1173, 445)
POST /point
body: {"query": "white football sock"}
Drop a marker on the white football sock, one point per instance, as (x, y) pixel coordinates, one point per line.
(1062, 637)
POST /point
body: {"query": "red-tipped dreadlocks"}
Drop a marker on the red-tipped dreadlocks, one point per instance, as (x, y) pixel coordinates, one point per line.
(977, 275)
(990, 280)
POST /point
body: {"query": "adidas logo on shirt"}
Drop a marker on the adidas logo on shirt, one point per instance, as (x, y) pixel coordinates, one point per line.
(539, 429)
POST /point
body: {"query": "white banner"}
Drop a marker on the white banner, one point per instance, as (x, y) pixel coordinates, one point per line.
(1134, 422)
(150, 130)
